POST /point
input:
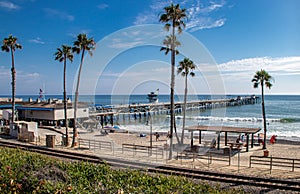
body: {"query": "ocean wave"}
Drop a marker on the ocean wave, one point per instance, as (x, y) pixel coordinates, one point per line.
(289, 120)
(241, 119)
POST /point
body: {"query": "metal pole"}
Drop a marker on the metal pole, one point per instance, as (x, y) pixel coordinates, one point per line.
(150, 130)
(239, 161)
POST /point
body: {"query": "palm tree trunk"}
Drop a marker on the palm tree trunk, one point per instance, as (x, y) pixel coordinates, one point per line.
(264, 115)
(75, 133)
(172, 120)
(65, 103)
(13, 83)
(184, 108)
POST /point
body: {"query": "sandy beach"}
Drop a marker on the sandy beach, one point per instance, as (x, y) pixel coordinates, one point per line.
(239, 162)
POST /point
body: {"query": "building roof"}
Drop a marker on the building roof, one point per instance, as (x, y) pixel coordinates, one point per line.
(223, 129)
(7, 106)
(48, 106)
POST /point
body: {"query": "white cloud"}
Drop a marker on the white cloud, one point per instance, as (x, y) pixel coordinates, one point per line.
(204, 23)
(197, 14)
(118, 44)
(5, 74)
(212, 7)
(37, 40)
(275, 66)
(9, 5)
(60, 14)
(74, 34)
(129, 39)
(102, 6)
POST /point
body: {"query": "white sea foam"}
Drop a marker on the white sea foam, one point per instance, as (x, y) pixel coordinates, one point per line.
(229, 119)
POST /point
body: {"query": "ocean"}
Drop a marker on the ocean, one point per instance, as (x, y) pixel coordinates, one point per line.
(282, 111)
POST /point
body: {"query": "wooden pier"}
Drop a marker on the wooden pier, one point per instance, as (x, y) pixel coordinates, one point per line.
(139, 110)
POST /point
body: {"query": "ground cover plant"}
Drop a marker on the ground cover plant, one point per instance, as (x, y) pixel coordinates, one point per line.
(27, 172)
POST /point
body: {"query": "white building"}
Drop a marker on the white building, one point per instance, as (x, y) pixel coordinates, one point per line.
(24, 131)
(51, 111)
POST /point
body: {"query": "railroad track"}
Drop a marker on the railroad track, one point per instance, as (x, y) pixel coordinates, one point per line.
(271, 183)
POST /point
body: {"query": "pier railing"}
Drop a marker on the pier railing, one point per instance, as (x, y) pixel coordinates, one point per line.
(139, 110)
(290, 163)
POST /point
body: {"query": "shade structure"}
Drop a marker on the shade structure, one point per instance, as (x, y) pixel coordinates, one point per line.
(226, 129)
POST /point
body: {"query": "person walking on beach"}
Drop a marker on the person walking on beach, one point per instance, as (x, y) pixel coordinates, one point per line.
(273, 139)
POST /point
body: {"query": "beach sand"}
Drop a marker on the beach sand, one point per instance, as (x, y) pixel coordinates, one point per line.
(239, 163)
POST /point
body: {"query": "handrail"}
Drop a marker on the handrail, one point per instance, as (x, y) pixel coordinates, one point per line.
(140, 148)
(96, 144)
(275, 161)
(210, 156)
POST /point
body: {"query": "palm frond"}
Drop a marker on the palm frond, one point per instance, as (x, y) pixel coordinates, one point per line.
(10, 43)
(186, 67)
(5, 48)
(262, 77)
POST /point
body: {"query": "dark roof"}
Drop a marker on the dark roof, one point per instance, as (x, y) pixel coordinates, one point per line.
(223, 129)
(34, 108)
(48, 106)
(7, 106)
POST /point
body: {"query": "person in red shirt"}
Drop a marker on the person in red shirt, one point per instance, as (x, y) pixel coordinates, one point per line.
(273, 139)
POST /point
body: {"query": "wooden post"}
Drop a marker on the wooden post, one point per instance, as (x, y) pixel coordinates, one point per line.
(102, 121)
(247, 142)
(252, 140)
(112, 119)
(192, 138)
(271, 163)
(219, 139)
(225, 138)
(105, 120)
(200, 132)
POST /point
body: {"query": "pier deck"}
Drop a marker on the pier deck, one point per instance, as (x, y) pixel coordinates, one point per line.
(164, 107)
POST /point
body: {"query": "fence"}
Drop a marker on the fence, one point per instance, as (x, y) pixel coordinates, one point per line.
(143, 149)
(275, 161)
(209, 156)
(93, 144)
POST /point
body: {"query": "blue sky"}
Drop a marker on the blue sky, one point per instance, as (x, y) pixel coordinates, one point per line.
(228, 40)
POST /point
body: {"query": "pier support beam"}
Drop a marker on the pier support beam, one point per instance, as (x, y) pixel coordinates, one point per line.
(225, 138)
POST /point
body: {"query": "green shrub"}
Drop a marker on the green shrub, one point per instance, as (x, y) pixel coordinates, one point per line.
(27, 172)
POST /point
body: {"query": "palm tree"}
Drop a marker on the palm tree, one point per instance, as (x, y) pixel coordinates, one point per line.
(263, 78)
(173, 18)
(82, 44)
(62, 55)
(10, 45)
(185, 68)
(168, 41)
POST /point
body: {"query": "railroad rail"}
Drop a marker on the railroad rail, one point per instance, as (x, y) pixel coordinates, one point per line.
(271, 183)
